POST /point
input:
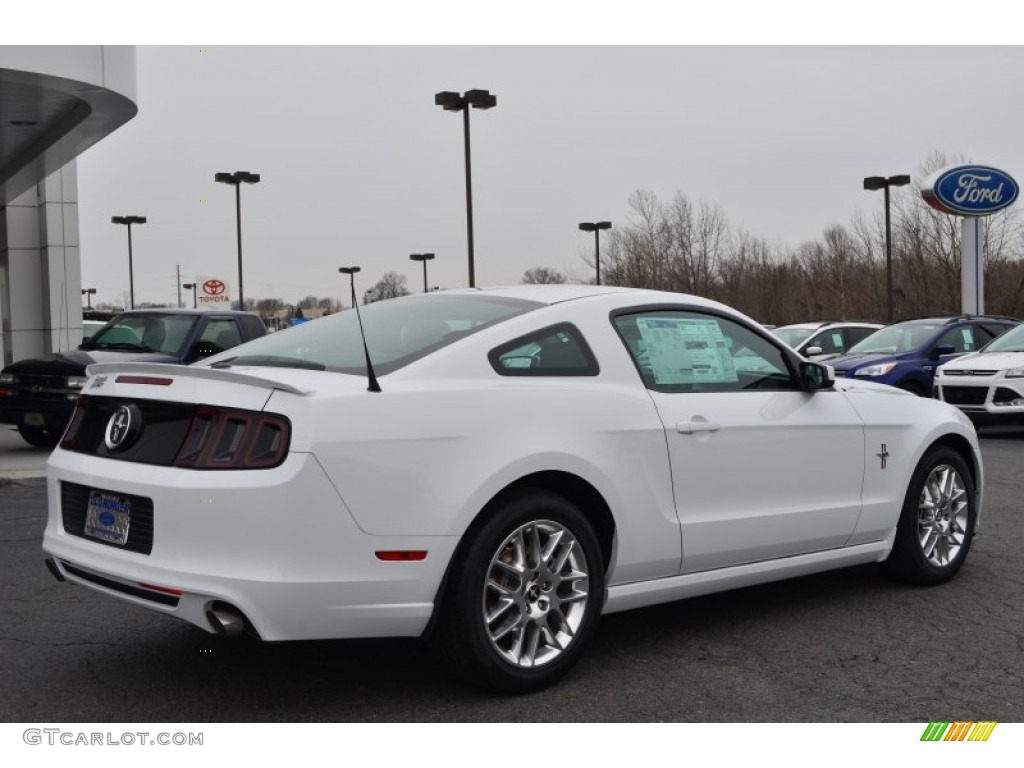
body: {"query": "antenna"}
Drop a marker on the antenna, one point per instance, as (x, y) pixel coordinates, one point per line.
(351, 272)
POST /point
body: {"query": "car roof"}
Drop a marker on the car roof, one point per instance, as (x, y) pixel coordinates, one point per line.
(951, 319)
(826, 323)
(549, 293)
(184, 311)
(557, 293)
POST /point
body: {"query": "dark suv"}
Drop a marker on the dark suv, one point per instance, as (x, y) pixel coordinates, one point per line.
(38, 395)
(906, 354)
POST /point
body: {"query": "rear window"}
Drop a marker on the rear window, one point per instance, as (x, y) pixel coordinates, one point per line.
(398, 331)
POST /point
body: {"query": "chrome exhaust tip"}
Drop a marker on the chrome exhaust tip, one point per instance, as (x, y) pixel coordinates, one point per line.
(225, 620)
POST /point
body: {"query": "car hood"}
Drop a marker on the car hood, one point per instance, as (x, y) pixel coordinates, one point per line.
(74, 362)
(846, 362)
(985, 361)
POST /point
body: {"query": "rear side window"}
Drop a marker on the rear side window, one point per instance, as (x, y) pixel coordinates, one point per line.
(222, 331)
(252, 327)
(857, 335)
(559, 350)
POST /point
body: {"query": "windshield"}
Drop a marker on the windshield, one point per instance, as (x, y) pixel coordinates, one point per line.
(398, 331)
(896, 339)
(793, 336)
(155, 332)
(1011, 341)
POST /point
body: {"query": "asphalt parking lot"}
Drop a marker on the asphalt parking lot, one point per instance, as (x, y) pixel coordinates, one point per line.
(844, 646)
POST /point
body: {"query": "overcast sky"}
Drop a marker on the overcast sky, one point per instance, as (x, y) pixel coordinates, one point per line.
(359, 167)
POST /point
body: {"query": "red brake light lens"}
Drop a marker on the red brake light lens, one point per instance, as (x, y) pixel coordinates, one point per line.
(229, 438)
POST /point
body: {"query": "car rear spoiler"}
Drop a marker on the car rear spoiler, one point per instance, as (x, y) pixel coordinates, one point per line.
(193, 372)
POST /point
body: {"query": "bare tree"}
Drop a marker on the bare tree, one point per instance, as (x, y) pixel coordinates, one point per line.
(390, 286)
(539, 275)
(269, 306)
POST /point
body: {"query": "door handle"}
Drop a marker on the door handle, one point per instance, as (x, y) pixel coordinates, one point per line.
(696, 425)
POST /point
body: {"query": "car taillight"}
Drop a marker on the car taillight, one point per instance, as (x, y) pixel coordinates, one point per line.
(75, 425)
(228, 438)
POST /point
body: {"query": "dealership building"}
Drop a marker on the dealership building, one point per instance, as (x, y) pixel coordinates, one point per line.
(55, 102)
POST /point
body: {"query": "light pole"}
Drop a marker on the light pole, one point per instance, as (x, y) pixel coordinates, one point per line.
(881, 182)
(451, 101)
(128, 221)
(237, 179)
(192, 287)
(88, 292)
(424, 257)
(596, 227)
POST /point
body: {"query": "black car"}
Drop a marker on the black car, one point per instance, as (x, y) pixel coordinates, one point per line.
(38, 395)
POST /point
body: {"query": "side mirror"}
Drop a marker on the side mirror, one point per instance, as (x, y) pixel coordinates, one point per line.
(812, 351)
(943, 349)
(815, 376)
(201, 349)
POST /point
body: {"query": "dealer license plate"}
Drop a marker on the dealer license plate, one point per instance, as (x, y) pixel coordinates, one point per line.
(34, 420)
(107, 518)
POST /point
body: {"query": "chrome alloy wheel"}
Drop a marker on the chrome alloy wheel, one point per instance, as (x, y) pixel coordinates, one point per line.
(535, 595)
(942, 515)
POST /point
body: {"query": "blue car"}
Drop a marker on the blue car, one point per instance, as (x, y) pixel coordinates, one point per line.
(906, 354)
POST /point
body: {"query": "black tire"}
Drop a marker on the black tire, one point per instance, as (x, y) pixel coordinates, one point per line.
(932, 543)
(531, 595)
(40, 438)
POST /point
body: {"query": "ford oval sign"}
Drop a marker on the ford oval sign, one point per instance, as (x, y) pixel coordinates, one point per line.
(970, 190)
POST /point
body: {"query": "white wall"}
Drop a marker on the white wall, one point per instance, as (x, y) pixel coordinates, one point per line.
(40, 272)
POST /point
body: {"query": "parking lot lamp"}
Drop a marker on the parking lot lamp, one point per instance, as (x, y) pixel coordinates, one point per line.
(596, 227)
(237, 179)
(451, 101)
(128, 221)
(424, 257)
(88, 292)
(874, 183)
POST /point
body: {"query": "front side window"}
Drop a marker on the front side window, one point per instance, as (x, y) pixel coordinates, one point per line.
(960, 339)
(144, 333)
(830, 342)
(682, 351)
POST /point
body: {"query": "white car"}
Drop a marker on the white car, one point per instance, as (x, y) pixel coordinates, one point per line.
(517, 462)
(988, 385)
(822, 340)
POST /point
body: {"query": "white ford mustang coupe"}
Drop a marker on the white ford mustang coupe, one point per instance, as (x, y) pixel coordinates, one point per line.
(513, 463)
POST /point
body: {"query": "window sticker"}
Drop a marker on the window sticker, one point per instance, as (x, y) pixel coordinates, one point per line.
(686, 351)
(837, 339)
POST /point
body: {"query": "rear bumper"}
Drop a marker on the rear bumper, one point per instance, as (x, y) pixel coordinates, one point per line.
(279, 545)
